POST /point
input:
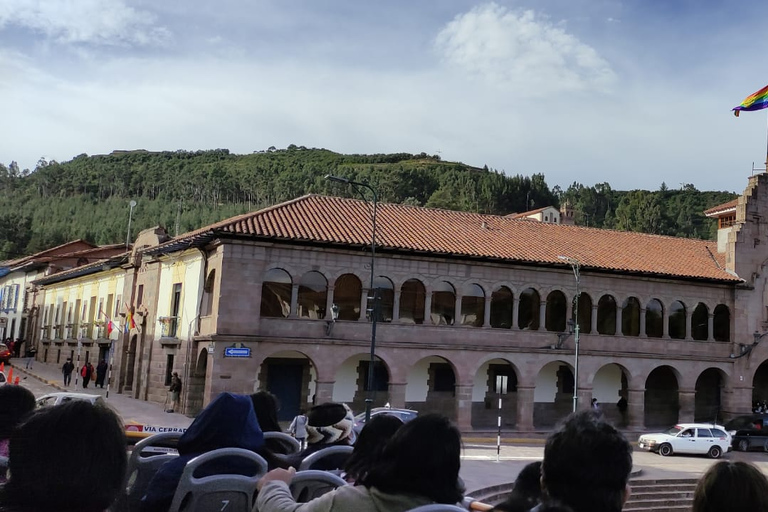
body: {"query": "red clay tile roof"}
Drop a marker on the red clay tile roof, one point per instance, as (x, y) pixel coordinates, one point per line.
(722, 208)
(335, 220)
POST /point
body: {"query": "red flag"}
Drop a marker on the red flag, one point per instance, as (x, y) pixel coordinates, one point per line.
(110, 327)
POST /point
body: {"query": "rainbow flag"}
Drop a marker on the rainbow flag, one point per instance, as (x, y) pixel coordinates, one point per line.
(756, 101)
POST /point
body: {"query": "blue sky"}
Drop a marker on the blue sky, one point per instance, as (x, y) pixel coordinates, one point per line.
(633, 93)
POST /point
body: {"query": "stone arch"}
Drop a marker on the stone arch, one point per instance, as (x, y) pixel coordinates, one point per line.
(413, 296)
(700, 322)
(662, 400)
(351, 381)
(721, 329)
(654, 319)
(609, 385)
(276, 290)
(630, 317)
(292, 377)
(443, 310)
(431, 386)
(347, 295)
(760, 383)
(312, 295)
(584, 315)
(708, 401)
(553, 393)
(385, 289)
(485, 396)
(472, 305)
(676, 321)
(606, 315)
(502, 305)
(528, 310)
(556, 316)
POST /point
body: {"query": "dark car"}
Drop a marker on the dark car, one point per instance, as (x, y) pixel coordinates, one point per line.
(404, 414)
(749, 432)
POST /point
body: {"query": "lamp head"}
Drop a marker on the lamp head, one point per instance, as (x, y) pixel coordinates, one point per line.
(339, 179)
(335, 312)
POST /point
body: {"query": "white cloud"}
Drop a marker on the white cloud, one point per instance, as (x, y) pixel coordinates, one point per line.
(97, 22)
(522, 51)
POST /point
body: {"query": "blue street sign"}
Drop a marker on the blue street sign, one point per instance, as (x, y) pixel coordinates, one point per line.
(237, 352)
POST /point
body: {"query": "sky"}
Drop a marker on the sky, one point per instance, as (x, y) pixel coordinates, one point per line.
(627, 92)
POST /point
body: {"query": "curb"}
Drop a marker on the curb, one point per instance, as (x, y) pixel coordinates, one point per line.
(26, 371)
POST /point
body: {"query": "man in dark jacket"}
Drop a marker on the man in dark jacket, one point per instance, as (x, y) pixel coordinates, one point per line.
(67, 370)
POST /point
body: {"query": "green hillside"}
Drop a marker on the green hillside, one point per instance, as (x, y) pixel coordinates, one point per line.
(88, 196)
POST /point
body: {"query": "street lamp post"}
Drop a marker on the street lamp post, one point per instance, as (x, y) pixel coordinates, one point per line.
(375, 296)
(575, 265)
(132, 204)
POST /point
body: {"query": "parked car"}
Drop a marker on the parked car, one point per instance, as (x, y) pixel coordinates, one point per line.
(404, 414)
(747, 432)
(3, 379)
(60, 398)
(688, 438)
(5, 354)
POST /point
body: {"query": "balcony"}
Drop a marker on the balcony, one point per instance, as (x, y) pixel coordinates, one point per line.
(168, 326)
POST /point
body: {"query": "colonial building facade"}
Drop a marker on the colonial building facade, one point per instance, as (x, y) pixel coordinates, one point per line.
(280, 299)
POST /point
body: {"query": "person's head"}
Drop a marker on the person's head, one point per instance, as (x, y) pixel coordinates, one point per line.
(731, 485)
(330, 423)
(17, 402)
(423, 458)
(526, 492)
(176, 374)
(587, 463)
(370, 442)
(227, 422)
(77, 450)
(266, 405)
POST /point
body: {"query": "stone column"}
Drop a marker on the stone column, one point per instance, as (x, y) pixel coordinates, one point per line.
(428, 307)
(464, 407)
(524, 408)
(329, 303)
(642, 323)
(323, 392)
(619, 317)
(294, 301)
(594, 319)
(457, 311)
(396, 306)
(688, 321)
(487, 312)
(687, 398)
(636, 409)
(543, 315)
(515, 305)
(710, 327)
(665, 323)
(397, 394)
(364, 304)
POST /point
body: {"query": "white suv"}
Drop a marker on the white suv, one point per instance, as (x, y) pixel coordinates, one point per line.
(689, 438)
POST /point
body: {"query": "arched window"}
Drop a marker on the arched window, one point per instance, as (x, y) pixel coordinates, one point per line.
(313, 295)
(347, 293)
(557, 308)
(276, 294)
(630, 317)
(443, 303)
(412, 297)
(700, 322)
(210, 282)
(502, 303)
(528, 310)
(721, 328)
(676, 322)
(386, 291)
(472, 305)
(606, 315)
(654, 319)
(585, 314)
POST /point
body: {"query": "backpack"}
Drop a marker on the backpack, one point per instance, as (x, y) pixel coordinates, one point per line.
(83, 371)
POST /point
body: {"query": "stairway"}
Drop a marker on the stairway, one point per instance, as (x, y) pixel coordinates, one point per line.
(674, 495)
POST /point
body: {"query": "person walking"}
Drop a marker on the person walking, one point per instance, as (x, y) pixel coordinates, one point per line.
(101, 373)
(67, 370)
(85, 372)
(298, 429)
(174, 392)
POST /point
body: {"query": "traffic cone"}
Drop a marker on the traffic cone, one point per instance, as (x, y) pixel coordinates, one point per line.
(16, 381)
(10, 374)
(2, 367)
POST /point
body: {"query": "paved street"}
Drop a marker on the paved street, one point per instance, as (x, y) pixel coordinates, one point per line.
(479, 466)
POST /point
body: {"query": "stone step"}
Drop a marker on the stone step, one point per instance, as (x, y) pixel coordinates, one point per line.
(662, 488)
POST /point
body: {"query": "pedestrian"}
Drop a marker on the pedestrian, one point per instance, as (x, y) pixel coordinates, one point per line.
(622, 406)
(595, 405)
(67, 370)
(85, 372)
(298, 429)
(174, 392)
(101, 373)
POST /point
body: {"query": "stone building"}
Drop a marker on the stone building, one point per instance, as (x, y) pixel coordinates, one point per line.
(279, 299)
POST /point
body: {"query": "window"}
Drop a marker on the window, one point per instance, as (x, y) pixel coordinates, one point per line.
(676, 322)
(168, 369)
(140, 295)
(556, 311)
(412, 298)
(472, 305)
(654, 319)
(443, 304)
(175, 307)
(722, 323)
(443, 378)
(117, 306)
(207, 306)
(502, 302)
(606, 315)
(276, 294)
(347, 294)
(528, 310)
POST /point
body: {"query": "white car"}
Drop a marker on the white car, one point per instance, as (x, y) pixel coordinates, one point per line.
(2, 378)
(689, 438)
(60, 398)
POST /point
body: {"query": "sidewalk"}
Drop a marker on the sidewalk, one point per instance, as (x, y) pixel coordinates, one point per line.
(130, 409)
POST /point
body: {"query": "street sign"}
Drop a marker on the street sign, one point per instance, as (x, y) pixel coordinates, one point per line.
(237, 352)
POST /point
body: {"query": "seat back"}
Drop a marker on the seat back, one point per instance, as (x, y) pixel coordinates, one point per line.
(3, 468)
(286, 441)
(225, 492)
(140, 470)
(311, 483)
(330, 458)
(438, 507)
